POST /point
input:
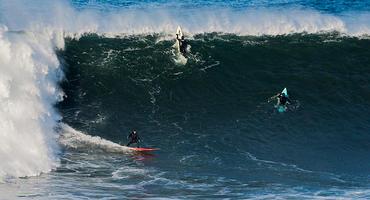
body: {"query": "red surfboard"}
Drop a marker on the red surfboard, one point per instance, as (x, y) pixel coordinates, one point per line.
(143, 149)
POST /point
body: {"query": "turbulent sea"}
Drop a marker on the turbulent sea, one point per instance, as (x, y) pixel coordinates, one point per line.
(77, 76)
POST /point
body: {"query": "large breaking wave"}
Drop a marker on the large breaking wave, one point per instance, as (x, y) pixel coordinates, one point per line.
(30, 71)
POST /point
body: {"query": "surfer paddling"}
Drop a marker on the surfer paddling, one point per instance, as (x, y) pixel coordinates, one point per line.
(182, 43)
(282, 99)
(134, 138)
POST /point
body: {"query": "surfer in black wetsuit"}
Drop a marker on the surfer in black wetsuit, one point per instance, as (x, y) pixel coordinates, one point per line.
(283, 99)
(183, 44)
(134, 138)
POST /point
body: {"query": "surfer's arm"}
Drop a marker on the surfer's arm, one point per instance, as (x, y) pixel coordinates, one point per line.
(273, 97)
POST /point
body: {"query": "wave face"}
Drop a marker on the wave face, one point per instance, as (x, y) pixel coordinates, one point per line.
(208, 113)
(218, 99)
(210, 117)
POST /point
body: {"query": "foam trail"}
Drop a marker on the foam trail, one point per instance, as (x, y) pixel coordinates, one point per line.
(28, 90)
(71, 138)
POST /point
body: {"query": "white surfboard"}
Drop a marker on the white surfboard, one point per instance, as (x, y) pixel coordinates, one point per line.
(283, 108)
(285, 91)
(179, 35)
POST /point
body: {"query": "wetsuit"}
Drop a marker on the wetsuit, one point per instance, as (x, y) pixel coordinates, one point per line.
(183, 44)
(134, 138)
(283, 100)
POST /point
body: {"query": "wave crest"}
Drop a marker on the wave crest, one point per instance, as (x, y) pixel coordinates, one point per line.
(245, 21)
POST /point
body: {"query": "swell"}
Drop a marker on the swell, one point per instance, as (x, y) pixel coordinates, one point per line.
(216, 103)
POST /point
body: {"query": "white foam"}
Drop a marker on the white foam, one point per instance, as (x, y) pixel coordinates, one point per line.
(58, 15)
(28, 90)
(127, 171)
(71, 138)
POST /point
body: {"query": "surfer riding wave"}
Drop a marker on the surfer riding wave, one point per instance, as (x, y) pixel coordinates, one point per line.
(134, 138)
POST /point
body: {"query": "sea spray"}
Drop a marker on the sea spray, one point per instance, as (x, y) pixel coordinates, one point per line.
(28, 90)
(129, 21)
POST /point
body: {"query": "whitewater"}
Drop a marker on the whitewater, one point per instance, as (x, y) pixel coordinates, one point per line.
(37, 141)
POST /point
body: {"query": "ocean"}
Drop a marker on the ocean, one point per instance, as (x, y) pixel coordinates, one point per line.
(78, 76)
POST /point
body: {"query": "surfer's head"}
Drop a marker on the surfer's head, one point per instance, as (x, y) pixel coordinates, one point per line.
(134, 131)
(182, 37)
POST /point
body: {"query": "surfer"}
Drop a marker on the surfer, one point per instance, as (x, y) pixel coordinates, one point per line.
(134, 138)
(282, 99)
(183, 44)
